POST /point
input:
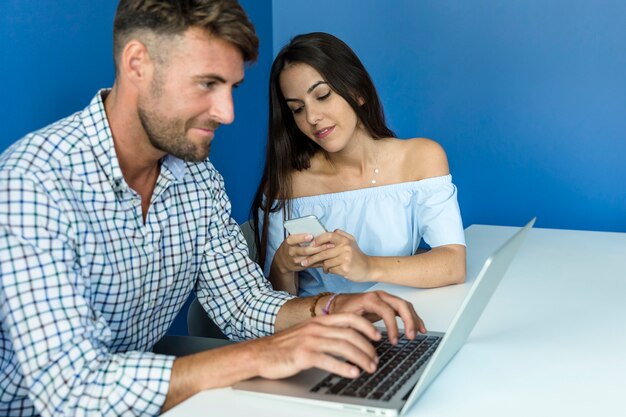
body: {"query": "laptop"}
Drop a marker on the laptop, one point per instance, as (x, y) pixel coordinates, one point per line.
(405, 370)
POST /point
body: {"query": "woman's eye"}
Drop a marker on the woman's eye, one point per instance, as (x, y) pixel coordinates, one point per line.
(297, 110)
(325, 96)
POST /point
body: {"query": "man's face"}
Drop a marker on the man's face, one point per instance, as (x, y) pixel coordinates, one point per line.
(190, 94)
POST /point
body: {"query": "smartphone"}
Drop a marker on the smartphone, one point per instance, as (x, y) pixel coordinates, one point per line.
(307, 224)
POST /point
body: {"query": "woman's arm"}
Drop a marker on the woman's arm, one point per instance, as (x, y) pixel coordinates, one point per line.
(442, 265)
(283, 279)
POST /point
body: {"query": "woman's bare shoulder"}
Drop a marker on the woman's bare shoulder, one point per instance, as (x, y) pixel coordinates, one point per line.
(422, 158)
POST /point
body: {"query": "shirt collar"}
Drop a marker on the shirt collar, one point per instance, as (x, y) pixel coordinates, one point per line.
(177, 167)
(100, 138)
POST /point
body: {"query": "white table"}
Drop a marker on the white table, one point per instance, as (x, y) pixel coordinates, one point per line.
(552, 341)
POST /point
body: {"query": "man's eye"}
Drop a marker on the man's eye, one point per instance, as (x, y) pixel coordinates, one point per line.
(208, 85)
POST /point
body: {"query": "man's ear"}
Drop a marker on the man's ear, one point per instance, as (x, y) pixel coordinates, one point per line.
(135, 63)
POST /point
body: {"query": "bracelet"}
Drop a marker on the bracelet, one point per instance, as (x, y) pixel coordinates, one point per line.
(326, 309)
(315, 300)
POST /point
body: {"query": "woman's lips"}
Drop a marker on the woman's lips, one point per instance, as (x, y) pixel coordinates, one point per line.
(322, 133)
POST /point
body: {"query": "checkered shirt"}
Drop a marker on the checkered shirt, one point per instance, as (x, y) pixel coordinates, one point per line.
(86, 288)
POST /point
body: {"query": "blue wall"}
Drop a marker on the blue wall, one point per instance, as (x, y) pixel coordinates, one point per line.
(55, 56)
(527, 97)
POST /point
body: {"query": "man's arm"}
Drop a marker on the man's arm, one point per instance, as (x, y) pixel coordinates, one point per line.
(316, 343)
(303, 343)
(59, 341)
(374, 305)
(230, 286)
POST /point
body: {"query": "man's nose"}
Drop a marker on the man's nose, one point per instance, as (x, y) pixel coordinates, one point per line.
(223, 109)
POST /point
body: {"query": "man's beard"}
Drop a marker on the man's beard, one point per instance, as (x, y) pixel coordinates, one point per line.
(168, 135)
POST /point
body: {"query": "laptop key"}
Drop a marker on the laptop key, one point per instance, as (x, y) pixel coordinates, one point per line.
(396, 366)
(335, 389)
(377, 395)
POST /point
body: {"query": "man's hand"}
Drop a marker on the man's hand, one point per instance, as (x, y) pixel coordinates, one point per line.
(321, 342)
(378, 305)
(318, 343)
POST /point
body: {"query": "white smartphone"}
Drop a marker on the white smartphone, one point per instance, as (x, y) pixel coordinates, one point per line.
(307, 224)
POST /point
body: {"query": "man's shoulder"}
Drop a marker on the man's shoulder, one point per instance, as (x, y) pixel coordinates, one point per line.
(44, 149)
(205, 174)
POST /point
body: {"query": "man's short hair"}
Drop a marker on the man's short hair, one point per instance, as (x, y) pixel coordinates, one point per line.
(224, 19)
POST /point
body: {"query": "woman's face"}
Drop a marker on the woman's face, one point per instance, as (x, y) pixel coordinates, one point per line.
(319, 112)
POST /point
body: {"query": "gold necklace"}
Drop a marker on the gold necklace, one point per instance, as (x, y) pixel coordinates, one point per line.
(375, 173)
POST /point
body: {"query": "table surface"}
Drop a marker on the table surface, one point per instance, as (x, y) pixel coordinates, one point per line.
(552, 340)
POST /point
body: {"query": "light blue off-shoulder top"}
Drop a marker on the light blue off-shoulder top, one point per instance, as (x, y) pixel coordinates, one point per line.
(389, 220)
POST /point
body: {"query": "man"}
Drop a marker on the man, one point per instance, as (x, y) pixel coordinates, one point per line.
(111, 217)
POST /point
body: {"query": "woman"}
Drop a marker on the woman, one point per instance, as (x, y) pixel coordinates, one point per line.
(331, 154)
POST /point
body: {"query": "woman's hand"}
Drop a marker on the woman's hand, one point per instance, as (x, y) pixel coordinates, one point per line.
(341, 256)
(292, 254)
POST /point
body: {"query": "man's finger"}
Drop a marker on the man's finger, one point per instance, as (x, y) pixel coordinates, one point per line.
(353, 337)
(386, 312)
(334, 365)
(350, 320)
(348, 351)
(412, 322)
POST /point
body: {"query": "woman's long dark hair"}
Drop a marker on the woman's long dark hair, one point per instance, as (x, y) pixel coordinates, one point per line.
(288, 149)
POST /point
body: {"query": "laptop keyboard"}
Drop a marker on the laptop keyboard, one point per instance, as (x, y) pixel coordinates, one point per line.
(397, 364)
